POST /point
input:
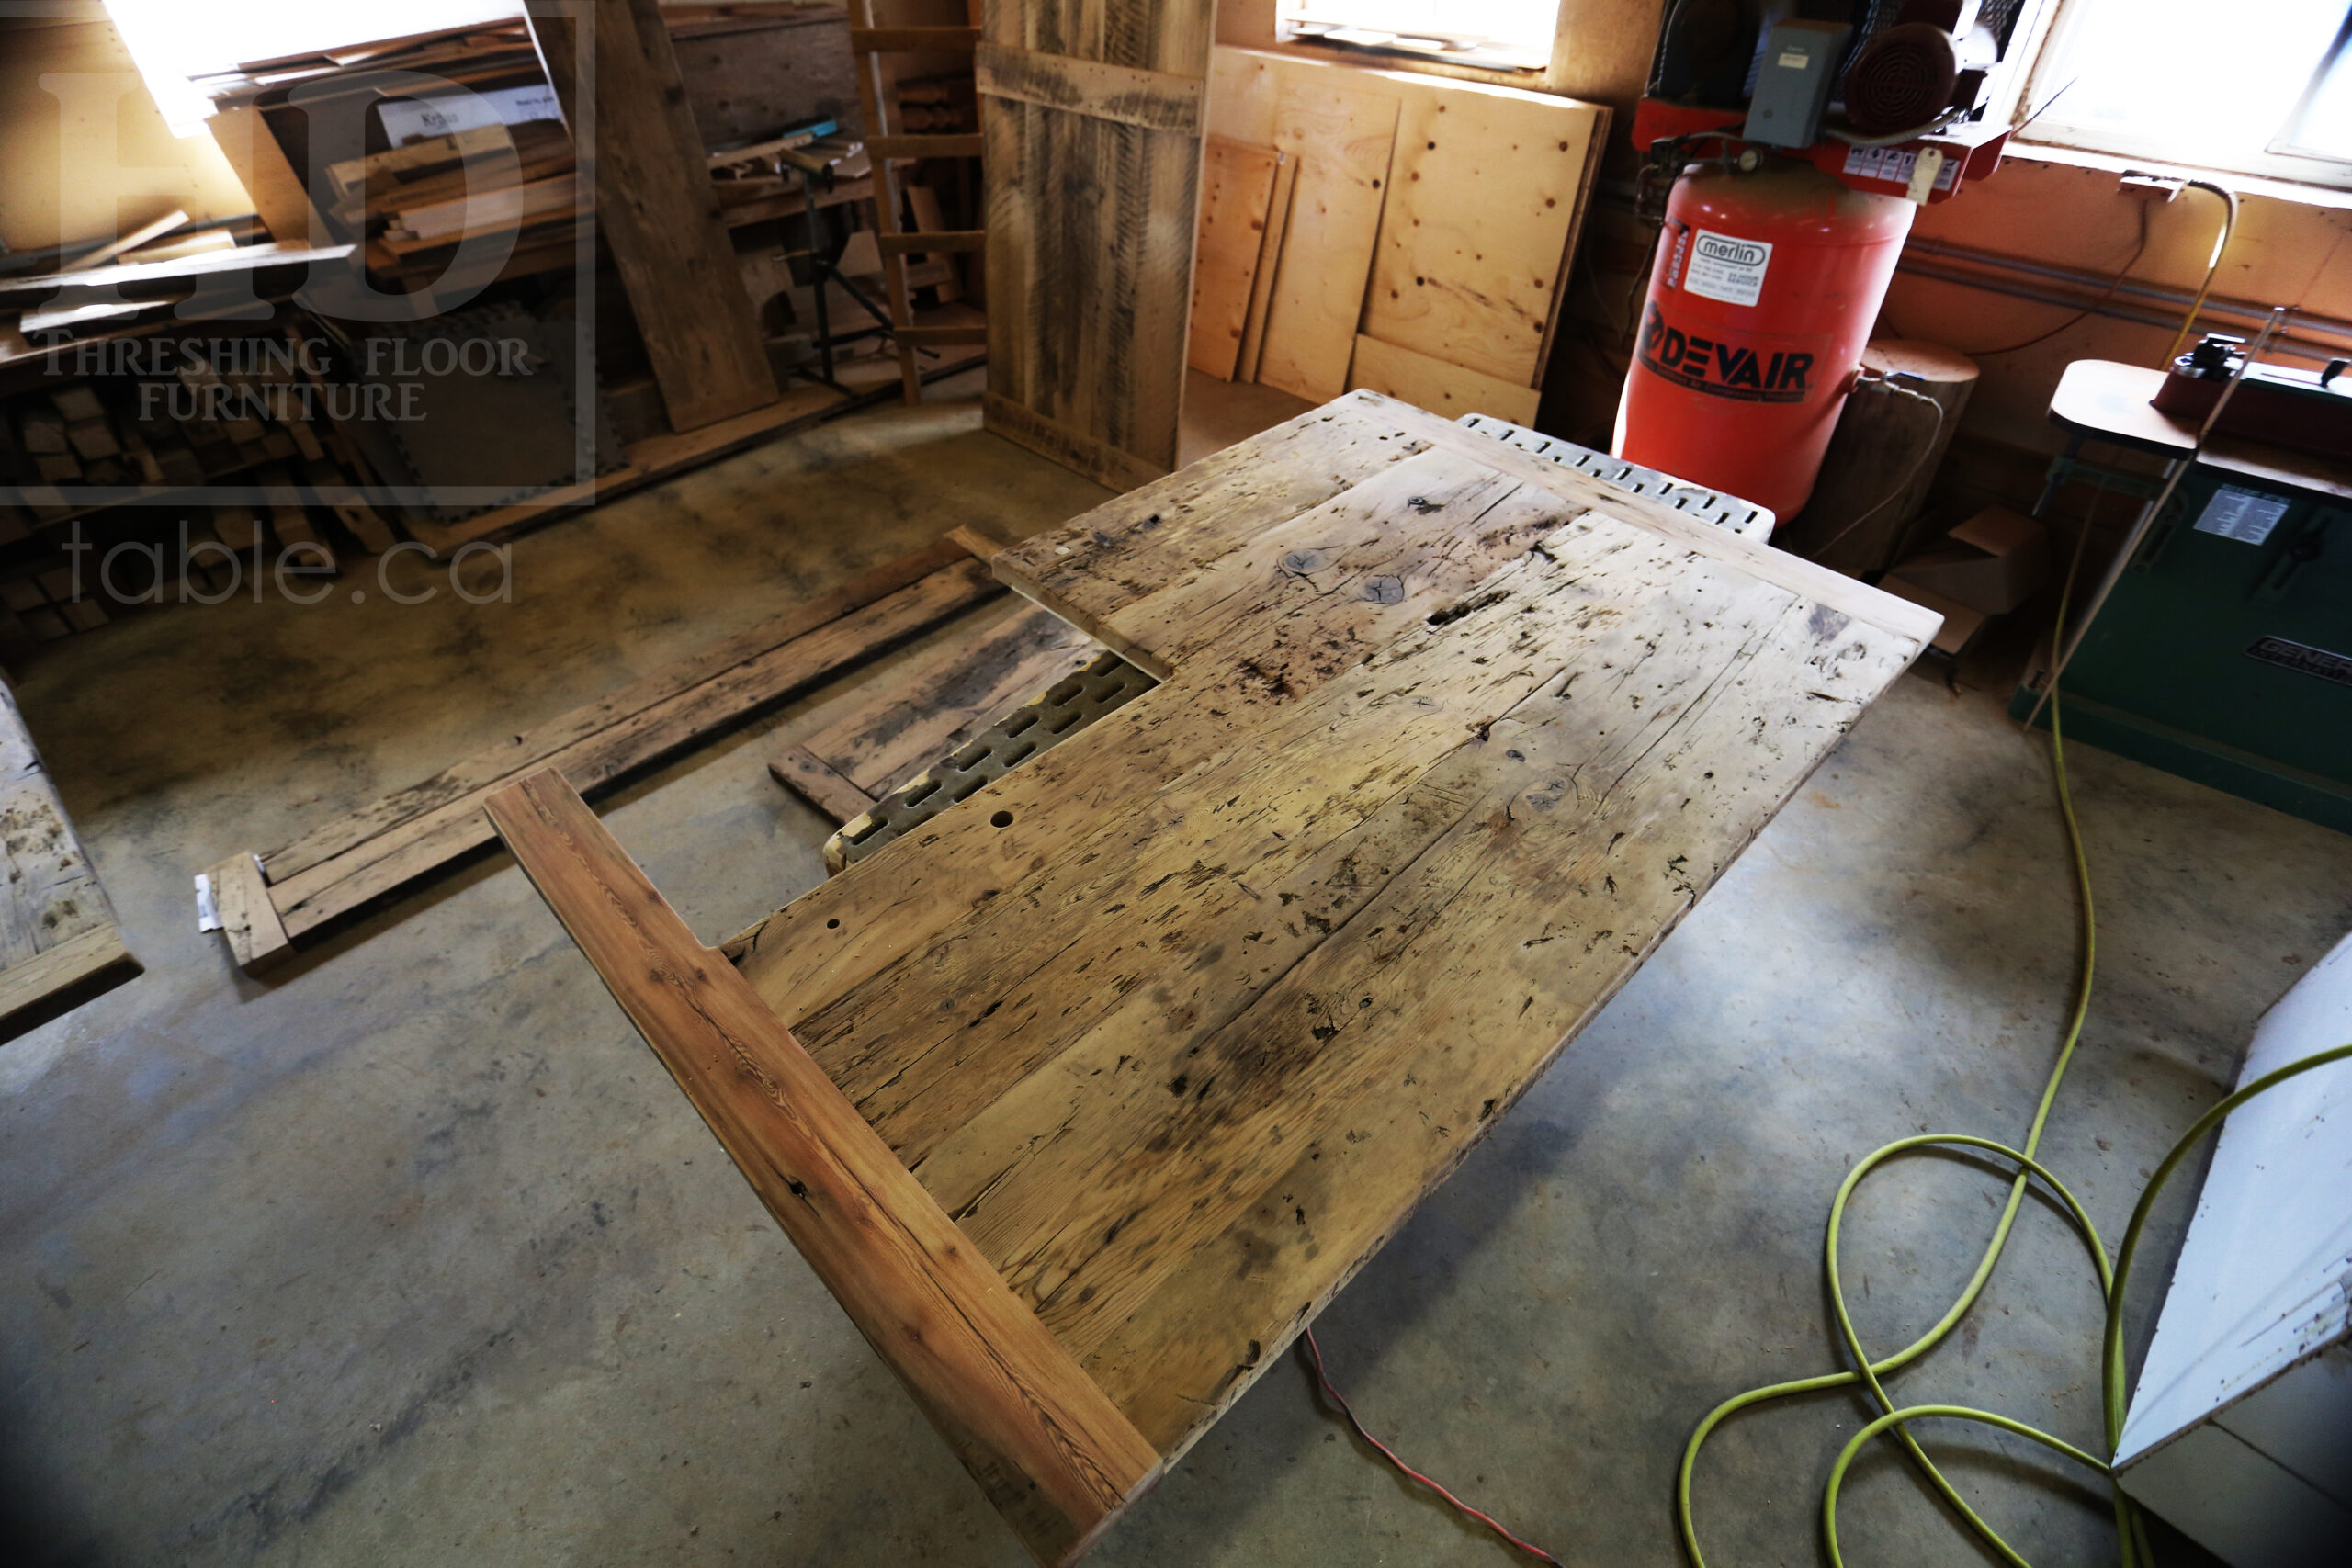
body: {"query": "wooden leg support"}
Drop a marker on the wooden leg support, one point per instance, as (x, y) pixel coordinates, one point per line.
(1032, 1428)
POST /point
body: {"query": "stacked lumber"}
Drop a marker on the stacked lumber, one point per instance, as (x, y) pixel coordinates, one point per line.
(415, 200)
(215, 424)
(1402, 233)
(443, 190)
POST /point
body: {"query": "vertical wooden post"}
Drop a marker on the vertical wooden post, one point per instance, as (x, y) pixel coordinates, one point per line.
(655, 206)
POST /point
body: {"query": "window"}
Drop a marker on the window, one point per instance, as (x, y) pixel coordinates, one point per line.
(1503, 35)
(173, 40)
(2254, 86)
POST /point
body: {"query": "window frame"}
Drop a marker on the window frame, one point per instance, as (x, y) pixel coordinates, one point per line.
(2037, 87)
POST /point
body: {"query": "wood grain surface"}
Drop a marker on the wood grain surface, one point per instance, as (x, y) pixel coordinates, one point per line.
(1179, 1022)
(1034, 1428)
(1089, 118)
(59, 942)
(655, 209)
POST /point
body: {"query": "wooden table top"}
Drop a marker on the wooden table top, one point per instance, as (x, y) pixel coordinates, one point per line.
(1179, 1022)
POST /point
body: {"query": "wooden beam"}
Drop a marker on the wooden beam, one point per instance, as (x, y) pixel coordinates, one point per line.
(1000, 1388)
(804, 773)
(58, 980)
(258, 939)
(632, 737)
(343, 864)
(656, 207)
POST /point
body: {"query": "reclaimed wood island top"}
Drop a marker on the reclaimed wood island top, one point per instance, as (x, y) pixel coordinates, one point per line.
(1085, 1097)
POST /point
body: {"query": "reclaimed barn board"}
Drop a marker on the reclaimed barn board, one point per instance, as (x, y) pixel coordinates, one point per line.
(1089, 121)
(282, 896)
(1032, 1428)
(656, 208)
(59, 943)
(911, 712)
(1177, 1023)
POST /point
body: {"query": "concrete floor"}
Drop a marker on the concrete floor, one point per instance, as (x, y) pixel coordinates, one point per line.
(416, 1256)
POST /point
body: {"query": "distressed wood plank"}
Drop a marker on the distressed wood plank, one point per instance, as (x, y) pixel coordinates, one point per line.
(336, 888)
(1521, 963)
(1179, 1110)
(1089, 567)
(811, 951)
(1090, 223)
(656, 208)
(58, 936)
(510, 759)
(249, 922)
(1003, 1392)
(808, 775)
(916, 710)
(1181, 1020)
(1156, 100)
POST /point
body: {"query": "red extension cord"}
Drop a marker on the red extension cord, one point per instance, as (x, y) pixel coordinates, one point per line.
(1336, 1397)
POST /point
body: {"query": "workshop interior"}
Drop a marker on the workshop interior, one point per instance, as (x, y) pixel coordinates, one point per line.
(1269, 782)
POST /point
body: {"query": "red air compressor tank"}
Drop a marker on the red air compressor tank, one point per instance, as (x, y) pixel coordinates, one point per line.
(1761, 298)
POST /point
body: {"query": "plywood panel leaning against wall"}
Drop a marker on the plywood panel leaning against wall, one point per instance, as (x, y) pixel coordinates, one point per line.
(1237, 192)
(1343, 138)
(1433, 217)
(1091, 122)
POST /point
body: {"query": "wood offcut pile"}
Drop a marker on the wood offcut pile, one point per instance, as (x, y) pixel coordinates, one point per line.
(427, 185)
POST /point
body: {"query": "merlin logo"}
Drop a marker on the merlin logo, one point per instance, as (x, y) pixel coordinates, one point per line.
(1721, 368)
(1735, 253)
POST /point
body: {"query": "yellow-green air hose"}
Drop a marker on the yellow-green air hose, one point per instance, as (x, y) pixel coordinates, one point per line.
(1895, 1420)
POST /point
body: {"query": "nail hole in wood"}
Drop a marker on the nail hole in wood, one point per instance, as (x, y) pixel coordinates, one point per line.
(1002, 819)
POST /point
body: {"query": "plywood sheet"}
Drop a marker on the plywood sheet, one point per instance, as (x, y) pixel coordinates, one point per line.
(1435, 385)
(1484, 203)
(1270, 256)
(1237, 193)
(1343, 137)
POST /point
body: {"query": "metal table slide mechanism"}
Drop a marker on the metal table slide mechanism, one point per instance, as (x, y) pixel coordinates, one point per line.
(1087, 1094)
